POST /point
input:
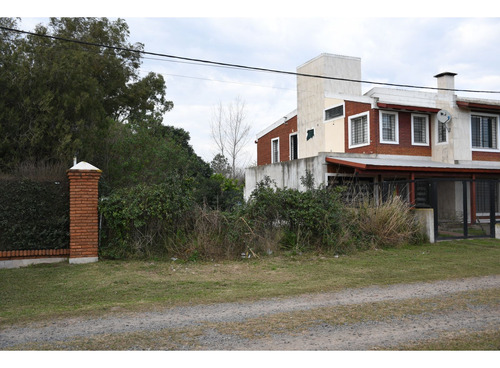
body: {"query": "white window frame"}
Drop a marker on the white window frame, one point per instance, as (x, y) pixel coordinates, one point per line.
(367, 114)
(426, 130)
(498, 133)
(396, 127)
(273, 161)
(337, 117)
(296, 134)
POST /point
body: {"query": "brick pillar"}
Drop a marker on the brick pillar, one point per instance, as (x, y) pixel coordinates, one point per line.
(83, 216)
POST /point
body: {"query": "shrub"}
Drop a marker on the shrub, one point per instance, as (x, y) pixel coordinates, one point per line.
(34, 215)
(220, 193)
(141, 220)
(218, 235)
(164, 219)
(307, 219)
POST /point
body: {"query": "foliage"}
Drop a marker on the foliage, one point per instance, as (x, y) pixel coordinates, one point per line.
(309, 219)
(220, 193)
(141, 154)
(59, 98)
(217, 235)
(273, 219)
(141, 219)
(33, 215)
(220, 165)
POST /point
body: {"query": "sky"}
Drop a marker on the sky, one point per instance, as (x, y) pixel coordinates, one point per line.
(396, 46)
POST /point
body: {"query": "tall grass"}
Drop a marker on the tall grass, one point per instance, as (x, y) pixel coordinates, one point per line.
(387, 224)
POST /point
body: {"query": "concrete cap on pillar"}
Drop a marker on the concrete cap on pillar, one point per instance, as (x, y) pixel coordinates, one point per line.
(82, 165)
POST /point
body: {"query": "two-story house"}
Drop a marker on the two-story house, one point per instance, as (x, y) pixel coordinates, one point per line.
(386, 135)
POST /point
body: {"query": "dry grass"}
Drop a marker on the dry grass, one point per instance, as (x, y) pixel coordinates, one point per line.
(388, 224)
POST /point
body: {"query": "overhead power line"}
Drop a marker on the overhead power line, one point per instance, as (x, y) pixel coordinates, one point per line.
(238, 66)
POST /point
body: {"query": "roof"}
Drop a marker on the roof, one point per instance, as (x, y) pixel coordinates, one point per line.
(284, 119)
(478, 104)
(402, 164)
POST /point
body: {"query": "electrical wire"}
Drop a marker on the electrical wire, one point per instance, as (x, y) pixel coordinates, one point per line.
(230, 82)
(237, 66)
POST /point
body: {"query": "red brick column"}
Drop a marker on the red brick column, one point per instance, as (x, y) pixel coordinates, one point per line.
(83, 216)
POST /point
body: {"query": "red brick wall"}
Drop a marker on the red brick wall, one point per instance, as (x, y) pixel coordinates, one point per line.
(283, 133)
(354, 108)
(83, 186)
(485, 156)
(404, 147)
(33, 254)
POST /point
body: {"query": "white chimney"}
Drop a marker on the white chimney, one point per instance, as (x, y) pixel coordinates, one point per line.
(446, 83)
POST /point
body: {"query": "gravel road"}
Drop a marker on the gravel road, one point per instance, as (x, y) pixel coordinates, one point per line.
(360, 336)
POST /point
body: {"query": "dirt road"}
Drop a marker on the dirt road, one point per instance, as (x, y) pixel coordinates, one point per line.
(323, 336)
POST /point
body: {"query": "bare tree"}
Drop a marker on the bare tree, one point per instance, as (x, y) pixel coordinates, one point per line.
(218, 129)
(230, 131)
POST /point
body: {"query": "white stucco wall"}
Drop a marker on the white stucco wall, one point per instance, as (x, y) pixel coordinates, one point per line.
(287, 174)
(334, 129)
(311, 94)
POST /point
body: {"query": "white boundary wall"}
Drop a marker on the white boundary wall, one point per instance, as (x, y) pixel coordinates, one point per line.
(287, 174)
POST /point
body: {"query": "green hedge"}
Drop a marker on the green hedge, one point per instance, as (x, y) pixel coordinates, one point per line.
(142, 220)
(34, 215)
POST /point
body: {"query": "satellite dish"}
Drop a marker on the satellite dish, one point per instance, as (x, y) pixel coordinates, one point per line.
(443, 116)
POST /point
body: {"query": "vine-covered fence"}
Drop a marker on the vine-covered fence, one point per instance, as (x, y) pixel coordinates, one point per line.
(44, 222)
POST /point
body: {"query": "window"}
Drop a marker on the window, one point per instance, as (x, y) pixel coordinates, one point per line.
(294, 151)
(442, 132)
(359, 134)
(389, 127)
(334, 112)
(483, 198)
(275, 150)
(484, 130)
(310, 134)
(420, 130)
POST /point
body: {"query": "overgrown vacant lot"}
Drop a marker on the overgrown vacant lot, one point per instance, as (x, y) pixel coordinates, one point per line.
(43, 292)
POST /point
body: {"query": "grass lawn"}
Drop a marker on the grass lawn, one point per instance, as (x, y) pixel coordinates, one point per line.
(61, 290)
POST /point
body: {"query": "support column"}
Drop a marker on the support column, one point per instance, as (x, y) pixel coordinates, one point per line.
(412, 189)
(473, 200)
(83, 216)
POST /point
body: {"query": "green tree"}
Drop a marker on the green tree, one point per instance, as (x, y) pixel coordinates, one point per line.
(59, 98)
(151, 155)
(220, 165)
